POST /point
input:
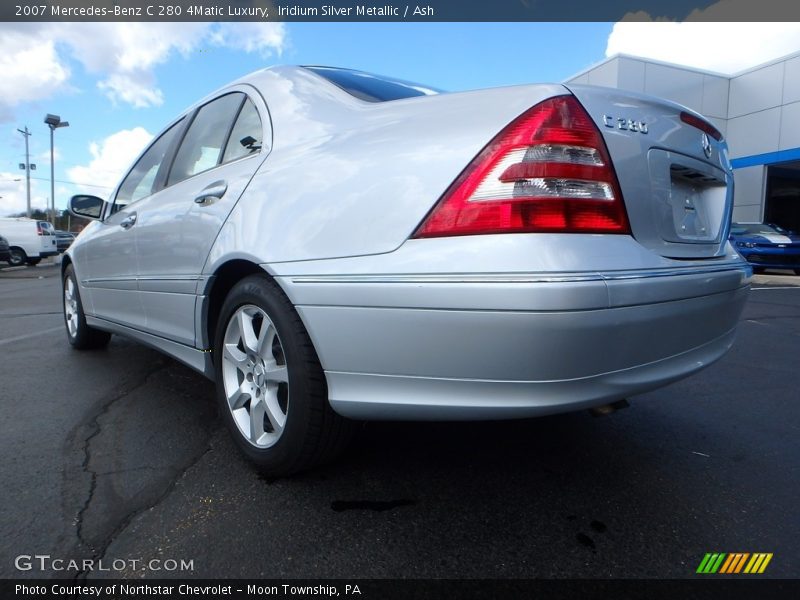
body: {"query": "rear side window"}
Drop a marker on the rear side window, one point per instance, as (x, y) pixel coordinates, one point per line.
(246, 134)
(202, 146)
(373, 88)
(140, 182)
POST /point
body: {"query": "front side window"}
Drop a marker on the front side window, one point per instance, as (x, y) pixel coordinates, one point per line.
(140, 182)
(201, 149)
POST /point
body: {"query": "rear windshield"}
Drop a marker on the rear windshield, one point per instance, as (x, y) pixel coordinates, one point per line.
(755, 228)
(373, 88)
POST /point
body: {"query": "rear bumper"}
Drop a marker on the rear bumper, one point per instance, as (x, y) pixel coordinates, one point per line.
(377, 397)
(482, 347)
(47, 253)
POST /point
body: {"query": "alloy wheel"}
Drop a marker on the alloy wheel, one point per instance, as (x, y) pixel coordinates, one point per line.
(71, 307)
(255, 376)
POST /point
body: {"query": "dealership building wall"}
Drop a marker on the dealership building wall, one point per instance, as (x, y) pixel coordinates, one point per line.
(757, 110)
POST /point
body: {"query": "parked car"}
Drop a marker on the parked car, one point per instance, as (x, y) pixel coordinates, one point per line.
(330, 245)
(30, 240)
(767, 246)
(5, 252)
(63, 240)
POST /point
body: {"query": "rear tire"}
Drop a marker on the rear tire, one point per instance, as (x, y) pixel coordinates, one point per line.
(797, 271)
(18, 257)
(79, 334)
(271, 388)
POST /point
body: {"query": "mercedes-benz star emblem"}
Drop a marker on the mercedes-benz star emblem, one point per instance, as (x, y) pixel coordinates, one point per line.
(706, 143)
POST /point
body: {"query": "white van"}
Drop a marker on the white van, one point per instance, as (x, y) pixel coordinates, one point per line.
(29, 240)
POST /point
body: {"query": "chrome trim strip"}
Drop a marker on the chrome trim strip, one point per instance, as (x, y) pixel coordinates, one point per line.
(444, 278)
(169, 278)
(526, 278)
(147, 278)
(107, 279)
(112, 283)
(177, 284)
(677, 272)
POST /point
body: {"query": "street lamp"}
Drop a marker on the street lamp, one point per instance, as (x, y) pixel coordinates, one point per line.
(53, 122)
(27, 167)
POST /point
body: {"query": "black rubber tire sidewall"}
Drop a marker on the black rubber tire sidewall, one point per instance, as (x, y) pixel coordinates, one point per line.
(85, 337)
(17, 258)
(306, 379)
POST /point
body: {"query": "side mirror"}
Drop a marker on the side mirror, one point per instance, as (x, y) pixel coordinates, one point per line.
(88, 207)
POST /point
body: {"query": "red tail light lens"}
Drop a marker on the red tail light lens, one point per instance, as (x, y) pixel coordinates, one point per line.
(701, 124)
(547, 171)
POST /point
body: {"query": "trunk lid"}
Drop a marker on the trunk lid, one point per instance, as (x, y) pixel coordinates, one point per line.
(676, 180)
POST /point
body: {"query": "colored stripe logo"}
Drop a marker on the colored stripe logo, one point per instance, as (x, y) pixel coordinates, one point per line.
(734, 563)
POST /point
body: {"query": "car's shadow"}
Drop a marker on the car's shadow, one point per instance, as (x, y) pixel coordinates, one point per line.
(640, 493)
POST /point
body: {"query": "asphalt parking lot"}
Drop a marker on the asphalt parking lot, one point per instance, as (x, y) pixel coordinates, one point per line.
(118, 454)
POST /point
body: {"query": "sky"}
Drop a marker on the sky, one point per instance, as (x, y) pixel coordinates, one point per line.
(117, 84)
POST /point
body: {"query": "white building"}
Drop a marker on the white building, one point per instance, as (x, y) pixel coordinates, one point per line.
(757, 110)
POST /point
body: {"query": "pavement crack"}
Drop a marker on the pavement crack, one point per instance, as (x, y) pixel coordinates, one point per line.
(131, 470)
(100, 554)
(97, 548)
(95, 429)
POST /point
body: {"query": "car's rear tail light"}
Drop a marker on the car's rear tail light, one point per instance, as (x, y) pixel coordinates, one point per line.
(701, 124)
(547, 171)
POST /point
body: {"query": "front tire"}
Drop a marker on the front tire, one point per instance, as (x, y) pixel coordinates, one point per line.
(79, 334)
(271, 387)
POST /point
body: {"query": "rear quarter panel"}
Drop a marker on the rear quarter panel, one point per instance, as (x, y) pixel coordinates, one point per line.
(349, 178)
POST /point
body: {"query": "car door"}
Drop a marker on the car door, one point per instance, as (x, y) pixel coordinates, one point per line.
(220, 152)
(108, 256)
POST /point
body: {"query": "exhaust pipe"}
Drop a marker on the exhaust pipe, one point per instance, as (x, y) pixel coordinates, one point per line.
(607, 409)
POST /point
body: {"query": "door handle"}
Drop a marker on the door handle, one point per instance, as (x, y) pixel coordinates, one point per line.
(215, 191)
(128, 221)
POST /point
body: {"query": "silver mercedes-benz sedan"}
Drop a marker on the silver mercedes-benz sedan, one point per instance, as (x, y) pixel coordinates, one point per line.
(330, 245)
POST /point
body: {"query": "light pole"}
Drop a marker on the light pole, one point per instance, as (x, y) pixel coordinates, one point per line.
(53, 122)
(27, 166)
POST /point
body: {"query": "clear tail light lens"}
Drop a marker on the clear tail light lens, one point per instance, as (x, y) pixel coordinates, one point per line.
(547, 171)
